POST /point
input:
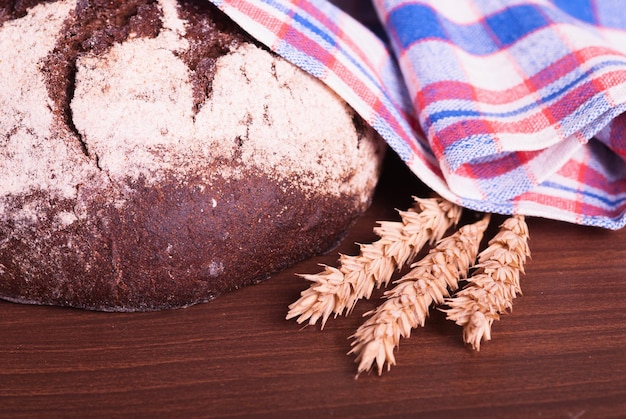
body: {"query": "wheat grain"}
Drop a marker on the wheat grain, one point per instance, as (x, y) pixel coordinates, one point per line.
(406, 305)
(495, 284)
(337, 289)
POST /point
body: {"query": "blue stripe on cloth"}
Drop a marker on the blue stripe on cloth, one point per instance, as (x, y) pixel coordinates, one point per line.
(589, 118)
(580, 9)
(474, 39)
(507, 186)
(418, 22)
(553, 52)
(434, 62)
(414, 22)
(322, 33)
(607, 200)
(402, 148)
(611, 13)
(300, 58)
(473, 149)
(516, 22)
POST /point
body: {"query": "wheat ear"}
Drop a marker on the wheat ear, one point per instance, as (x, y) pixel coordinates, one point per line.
(494, 285)
(406, 305)
(337, 289)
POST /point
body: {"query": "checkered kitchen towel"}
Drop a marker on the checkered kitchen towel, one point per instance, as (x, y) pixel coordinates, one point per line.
(507, 106)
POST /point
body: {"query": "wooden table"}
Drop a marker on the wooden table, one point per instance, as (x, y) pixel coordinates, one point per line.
(560, 353)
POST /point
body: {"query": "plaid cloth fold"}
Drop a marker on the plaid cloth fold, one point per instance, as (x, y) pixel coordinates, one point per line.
(510, 106)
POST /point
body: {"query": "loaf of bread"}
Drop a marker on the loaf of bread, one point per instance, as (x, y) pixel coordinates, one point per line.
(153, 156)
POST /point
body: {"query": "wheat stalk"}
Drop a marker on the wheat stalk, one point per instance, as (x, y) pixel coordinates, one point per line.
(495, 284)
(406, 305)
(337, 289)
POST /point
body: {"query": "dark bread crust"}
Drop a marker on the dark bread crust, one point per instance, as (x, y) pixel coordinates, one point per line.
(170, 248)
(191, 237)
(15, 9)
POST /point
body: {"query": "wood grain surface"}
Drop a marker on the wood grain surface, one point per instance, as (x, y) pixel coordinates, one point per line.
(559, 354)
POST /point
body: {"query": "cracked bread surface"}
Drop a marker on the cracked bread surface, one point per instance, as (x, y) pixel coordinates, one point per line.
(154, 156)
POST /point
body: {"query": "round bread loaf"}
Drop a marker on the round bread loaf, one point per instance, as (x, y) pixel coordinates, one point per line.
(152, 156)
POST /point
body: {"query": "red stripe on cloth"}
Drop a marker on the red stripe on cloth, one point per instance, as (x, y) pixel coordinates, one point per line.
(463, 129)
(563, 204)
(317, 14)
(586, 174)
(531, 124)
(570, 101)
(444, 90)
(505, 164)
(271, 22)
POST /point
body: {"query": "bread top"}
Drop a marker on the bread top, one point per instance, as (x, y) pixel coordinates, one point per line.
(161, 90)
